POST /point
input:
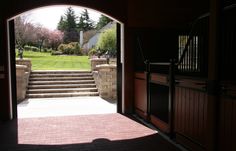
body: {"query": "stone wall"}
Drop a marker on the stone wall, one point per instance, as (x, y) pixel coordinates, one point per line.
(105, 78)
(26, 62)
(23, 69)
(112, 61)
(22, 77)
(97, 61)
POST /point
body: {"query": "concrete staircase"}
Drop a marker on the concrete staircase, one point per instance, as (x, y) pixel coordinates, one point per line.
(48, 84)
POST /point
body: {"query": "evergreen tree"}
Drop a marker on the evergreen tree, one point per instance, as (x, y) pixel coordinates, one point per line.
(62, 24)
(67, 24)
(103, 20)
(71, 19)
(85, 23)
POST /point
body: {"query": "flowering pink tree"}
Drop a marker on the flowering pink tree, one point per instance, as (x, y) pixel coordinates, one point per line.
(24, 31)
(27, 33)
(42, 35)
(55, 39)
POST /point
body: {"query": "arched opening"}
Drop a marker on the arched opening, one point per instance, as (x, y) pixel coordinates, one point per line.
(12, 70)
(202, 103)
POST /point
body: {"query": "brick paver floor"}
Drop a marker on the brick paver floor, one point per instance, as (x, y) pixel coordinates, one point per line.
(77, 124)
(101, 132)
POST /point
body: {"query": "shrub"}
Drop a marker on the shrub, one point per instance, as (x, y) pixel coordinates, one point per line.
(61, 47)
(75, 48)
(56, 53)
(92, 52)
(71, 48)
(32, 48)
(27, 48)
(45, 50)
(49, 50)
(107, 42)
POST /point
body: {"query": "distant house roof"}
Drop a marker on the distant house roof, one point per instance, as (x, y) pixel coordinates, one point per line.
(88, 34)
(93, 40)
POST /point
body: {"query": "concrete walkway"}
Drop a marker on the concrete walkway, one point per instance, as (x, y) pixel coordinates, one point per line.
(52, 107)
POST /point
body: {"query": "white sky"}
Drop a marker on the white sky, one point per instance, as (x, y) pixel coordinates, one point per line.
(50, 16)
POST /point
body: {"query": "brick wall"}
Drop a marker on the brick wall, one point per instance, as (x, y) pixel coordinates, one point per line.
(105, 78)
(97, 61)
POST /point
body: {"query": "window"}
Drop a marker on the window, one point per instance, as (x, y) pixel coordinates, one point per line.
(189, 49)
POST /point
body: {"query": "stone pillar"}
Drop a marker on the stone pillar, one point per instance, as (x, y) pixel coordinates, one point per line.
(21, 81)
(26, 62)
(113, 61)
(105, 78)
(97, 61)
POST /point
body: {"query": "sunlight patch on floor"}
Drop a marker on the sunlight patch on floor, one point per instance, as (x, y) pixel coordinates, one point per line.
(51, 107)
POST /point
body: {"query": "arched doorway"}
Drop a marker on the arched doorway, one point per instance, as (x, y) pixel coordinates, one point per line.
(12, 74)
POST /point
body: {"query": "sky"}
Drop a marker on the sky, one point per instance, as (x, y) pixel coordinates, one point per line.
(50, 16)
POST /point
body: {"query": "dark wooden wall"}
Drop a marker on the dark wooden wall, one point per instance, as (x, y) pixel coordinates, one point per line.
(164, 14)
(155, 45)
(228, 53)
(227, 98)
(205, 109)
(227, 127)
(190, 116)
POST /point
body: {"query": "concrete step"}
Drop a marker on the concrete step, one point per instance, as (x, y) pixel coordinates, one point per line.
(48, 84)
(54, 95)
(32, 75)
(60, 78)
(61, 82)
(58, 71)
(68, 90)
(61, 86)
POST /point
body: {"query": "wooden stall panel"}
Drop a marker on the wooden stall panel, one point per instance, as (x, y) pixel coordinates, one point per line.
(159, 106)
(227, 139)
(140, 100)
(190, 114)
(159, 78)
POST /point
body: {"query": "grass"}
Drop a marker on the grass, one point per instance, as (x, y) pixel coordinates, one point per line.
(45, 61)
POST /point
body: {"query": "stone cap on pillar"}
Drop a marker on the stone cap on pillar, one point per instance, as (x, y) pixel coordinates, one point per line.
(98, 59)
(22, 67)
(105, 66)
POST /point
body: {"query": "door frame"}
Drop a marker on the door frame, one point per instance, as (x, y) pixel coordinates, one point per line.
(12, 69)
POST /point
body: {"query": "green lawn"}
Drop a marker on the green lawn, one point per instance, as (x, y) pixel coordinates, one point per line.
(44, 61)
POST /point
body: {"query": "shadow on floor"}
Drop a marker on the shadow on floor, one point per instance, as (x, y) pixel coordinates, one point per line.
(148, 143)
(9, 139)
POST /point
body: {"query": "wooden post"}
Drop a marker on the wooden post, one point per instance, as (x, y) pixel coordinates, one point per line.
(147, 73)
(171, 97)
(119, 68)
(213, 76)
(128, 81)
(13, 104)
